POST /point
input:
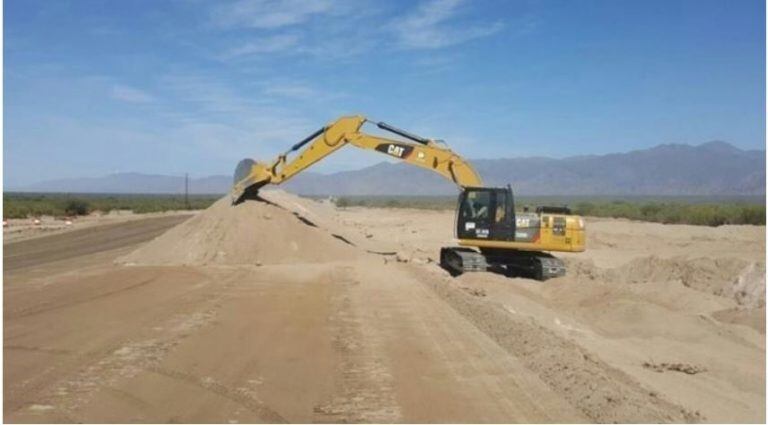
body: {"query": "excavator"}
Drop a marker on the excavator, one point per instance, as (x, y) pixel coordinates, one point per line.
(492, 235)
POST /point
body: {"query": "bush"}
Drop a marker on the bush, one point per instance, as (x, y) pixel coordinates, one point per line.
(77, 207)
(677, 212)
(343, 203)
(752, 214)
(650, 211)
(21, 205)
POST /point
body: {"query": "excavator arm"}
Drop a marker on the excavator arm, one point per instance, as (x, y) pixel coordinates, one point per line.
(250, 175)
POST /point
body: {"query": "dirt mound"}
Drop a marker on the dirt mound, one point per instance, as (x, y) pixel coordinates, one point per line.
(705, 274)
(602, 392)
(253, 232)
(735, 278)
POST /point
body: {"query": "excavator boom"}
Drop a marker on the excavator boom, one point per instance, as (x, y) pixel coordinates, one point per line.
(251, 175)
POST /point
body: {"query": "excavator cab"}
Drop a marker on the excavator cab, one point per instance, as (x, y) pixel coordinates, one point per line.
(486, 213)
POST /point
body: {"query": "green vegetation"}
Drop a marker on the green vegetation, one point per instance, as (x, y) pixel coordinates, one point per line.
(77, 207)
(417, 202)
(705, 214)
(22, 205)
(671, 210)
(681, 210)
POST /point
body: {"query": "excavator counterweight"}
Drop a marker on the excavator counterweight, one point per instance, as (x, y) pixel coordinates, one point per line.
(491, 233)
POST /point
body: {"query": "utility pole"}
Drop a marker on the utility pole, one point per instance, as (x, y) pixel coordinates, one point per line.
(186, 190)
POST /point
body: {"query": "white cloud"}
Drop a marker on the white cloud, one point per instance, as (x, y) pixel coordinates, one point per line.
(334, 29)
(268, 14)
(272, 44)
(330, 47)
(292, 90)
(323, 28)
(226, 122)
(207, 94)
(427, 27)
(131, 95)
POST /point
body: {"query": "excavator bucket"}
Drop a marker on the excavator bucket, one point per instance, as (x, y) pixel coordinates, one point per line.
(250, 176)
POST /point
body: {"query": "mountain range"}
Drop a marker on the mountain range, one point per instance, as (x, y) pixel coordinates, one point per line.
(714, 168)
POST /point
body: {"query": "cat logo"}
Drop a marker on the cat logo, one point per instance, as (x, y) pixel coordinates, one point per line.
(395, 150)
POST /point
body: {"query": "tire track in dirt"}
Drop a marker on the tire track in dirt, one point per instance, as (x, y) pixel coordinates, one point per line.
(131, 399)
(19, 394)
(120, 357)
(366, 390)
(36, 349)
(239, 396)
(45, 308)
(601, 392)
(523, 401)
(131, 358)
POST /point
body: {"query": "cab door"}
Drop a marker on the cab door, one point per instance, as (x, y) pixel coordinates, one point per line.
(503, 224)
(475, 214)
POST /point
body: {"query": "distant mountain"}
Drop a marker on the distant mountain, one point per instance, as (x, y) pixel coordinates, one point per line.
(714, 168)
(133, 183)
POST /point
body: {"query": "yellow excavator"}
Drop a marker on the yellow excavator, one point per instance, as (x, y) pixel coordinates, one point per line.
(492, 235)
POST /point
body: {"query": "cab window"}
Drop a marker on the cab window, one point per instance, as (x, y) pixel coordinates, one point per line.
(477, 206)
(501, 204)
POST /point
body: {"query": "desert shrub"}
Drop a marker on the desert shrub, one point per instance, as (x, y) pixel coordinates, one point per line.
(343, 202)
(702, 214)
(77, 207)
(584, 208)
(21, 205)
(13, 211)
(650, 211)
(751, 214)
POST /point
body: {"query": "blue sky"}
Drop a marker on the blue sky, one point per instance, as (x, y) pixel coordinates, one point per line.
(167, 87)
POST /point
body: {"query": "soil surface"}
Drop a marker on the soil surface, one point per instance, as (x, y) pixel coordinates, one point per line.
(295, 311)
(17, 229)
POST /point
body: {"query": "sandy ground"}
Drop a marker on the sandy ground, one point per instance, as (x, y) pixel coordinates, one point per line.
(298, 312)
(17, 229)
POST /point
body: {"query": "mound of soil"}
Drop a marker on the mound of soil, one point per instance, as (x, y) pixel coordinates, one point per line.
(734, 278)
(253, 232)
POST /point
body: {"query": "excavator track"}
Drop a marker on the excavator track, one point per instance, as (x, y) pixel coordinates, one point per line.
(533, 264)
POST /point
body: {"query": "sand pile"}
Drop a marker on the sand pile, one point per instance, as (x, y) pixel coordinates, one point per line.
(253, 232)
(734, 278)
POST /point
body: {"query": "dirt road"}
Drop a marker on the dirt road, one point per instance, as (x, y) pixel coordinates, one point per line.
(33, 252)
(205, 334)
(320, 342)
